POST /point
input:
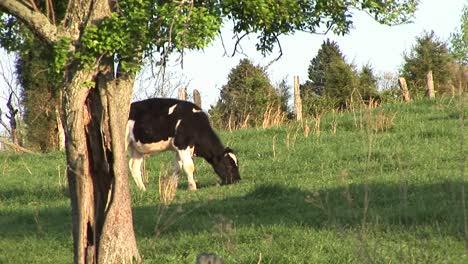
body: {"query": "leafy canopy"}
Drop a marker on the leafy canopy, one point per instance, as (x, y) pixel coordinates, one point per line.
(459, 39)
(158, 27)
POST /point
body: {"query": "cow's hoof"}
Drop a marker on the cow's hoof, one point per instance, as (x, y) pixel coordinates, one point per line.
(192, 187)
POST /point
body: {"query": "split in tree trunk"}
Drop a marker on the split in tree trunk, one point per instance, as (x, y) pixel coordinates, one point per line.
(97, 170)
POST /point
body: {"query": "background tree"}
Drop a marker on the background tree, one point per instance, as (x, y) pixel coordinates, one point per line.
(367, 83)
(284, 93)
(459, 49)
(11, 112)
(98, 46)
(330, 78)
(387, 86)
(459, 39)
(428, 54)
(328, 54)
(40, 95)
(340, 81)
(246, 97)
(158, 82)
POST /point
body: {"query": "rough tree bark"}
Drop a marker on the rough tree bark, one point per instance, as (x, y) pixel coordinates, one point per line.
(95, 108)
(97, 171)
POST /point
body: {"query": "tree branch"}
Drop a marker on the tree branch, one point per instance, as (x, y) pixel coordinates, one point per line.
(17, 147)
(38, 22)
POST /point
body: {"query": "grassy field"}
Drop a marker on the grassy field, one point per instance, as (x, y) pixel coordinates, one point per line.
(374, 186)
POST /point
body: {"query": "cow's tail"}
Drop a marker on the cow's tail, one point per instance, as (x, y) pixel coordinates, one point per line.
(136, 158)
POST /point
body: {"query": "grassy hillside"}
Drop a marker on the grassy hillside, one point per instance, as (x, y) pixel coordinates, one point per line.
(374, 186)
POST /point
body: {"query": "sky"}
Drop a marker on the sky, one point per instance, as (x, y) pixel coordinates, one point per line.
(368, 42)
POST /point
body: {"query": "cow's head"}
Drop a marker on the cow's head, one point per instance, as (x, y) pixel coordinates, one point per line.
(226, 167)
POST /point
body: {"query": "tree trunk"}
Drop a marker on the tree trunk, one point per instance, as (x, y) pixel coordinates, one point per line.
(95, 119)
(117, 241)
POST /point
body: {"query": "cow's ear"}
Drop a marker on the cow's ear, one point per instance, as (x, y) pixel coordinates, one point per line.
(230, 153)
(228, 150)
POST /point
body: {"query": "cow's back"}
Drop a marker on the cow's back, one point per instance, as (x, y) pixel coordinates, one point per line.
(156, 119)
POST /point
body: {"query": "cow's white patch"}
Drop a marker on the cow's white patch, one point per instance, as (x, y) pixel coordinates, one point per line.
(184, 158)
(177, 125)
(159, 146)
(233, 157)
(196, 110)
(192, 150)
(171, 109)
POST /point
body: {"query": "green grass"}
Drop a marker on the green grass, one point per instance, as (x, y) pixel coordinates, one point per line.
(301, 199)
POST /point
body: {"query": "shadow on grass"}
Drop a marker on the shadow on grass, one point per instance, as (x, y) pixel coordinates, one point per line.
(389, 205)
(36, 221)
(44, 195)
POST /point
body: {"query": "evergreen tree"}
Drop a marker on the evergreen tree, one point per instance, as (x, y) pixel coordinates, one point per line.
(328, 53)
(429, 54)
(245, 98)
(283, 90)
(330, 76)
(367, 83)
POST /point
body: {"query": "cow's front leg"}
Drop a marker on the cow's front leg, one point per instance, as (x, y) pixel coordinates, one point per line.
(136, 159)
(185, 157)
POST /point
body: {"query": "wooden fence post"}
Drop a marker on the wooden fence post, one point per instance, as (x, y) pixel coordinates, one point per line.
(404, 89)
(430, 85)
(182, 93)
(297, 99)
(197, 97)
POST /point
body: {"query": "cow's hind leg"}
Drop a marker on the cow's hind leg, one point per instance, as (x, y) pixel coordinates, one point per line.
(136, 159)
(185, 156)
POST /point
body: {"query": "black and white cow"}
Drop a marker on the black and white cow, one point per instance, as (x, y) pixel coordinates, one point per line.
(160, 124)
